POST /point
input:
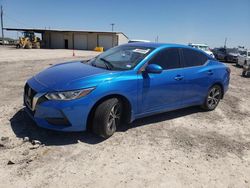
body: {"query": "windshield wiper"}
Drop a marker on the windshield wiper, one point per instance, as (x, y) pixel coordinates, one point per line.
(107, 63)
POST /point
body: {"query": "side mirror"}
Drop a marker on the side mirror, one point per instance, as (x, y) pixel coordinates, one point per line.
(153, 68)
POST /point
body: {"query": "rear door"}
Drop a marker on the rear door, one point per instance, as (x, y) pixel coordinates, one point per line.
(197, 76)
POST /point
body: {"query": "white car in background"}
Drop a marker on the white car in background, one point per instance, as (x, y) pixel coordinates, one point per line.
(243, 57)
(136, 40)
(202, 47)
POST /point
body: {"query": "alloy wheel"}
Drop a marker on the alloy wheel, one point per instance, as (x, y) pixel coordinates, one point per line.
(213, 97)
(114, 117)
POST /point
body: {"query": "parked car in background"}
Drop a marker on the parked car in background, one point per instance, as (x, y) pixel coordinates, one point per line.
(246, 68)
(243, 57)
(136, 40)
(202, 47)
(220, 53)
(226, 54)
(124, 83)
(232, 55)
(4, 42)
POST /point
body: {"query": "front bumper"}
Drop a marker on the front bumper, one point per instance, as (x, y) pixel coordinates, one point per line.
(233, 59)
(57, 115)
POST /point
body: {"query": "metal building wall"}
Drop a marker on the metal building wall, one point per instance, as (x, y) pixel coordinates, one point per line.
(82, 40)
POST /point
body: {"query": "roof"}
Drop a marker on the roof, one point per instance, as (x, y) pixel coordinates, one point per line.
(60, 30)
(163, 45)
(156, 45)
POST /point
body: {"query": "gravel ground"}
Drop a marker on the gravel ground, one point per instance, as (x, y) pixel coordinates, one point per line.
(184, 148)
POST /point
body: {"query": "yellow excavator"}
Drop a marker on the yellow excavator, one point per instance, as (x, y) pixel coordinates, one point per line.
(29, 41)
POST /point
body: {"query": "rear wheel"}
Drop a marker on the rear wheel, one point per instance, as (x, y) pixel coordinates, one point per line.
(107, 117)
(213, 98)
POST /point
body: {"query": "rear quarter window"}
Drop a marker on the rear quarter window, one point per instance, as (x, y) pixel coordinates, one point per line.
(193, 58)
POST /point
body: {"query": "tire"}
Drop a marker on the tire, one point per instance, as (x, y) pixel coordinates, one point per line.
(213, 98)
(28, 46)
(37, 45)
(107, 117)
(244, 73)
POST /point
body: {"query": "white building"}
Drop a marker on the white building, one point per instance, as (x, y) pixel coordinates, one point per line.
(82, 40)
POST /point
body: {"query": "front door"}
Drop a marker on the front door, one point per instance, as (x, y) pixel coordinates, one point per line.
(162, 91)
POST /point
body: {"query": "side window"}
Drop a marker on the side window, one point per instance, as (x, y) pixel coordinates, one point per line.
(167, 59)
(193, 58)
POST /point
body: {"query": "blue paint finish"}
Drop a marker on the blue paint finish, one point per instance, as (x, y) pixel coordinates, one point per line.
(147, 93)
(153, 68)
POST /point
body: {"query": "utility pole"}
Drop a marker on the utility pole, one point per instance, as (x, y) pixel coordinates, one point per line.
(157, 39)
(2, 24)
(112, 26)
(225, 44)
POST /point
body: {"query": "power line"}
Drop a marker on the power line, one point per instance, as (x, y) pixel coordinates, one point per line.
(15, 20)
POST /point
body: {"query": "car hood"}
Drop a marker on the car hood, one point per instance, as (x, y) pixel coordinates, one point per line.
(233, 54)
(208, 52)
(73, 75)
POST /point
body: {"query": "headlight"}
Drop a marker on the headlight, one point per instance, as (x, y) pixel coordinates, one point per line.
(69, 95)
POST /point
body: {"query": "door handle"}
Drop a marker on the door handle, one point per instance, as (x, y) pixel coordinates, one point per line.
(210, 72)
(179, 77)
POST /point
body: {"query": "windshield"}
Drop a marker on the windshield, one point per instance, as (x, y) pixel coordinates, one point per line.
(201, 47)
(205, 48)
(243, 52)
(120, 58)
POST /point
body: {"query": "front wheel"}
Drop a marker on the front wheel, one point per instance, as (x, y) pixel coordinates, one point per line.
(107, 117)
(213, 98)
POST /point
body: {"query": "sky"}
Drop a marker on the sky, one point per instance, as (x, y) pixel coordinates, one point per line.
(173, 21)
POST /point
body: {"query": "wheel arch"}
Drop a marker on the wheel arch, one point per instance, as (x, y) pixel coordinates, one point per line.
(126, 104)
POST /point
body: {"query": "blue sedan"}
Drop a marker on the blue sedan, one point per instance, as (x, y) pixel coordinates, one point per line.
(125, 83)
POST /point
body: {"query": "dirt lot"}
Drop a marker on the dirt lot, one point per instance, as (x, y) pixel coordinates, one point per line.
(184, 148)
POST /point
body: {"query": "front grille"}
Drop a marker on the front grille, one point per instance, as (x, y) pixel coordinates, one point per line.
(58, 121)
(29, 94)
